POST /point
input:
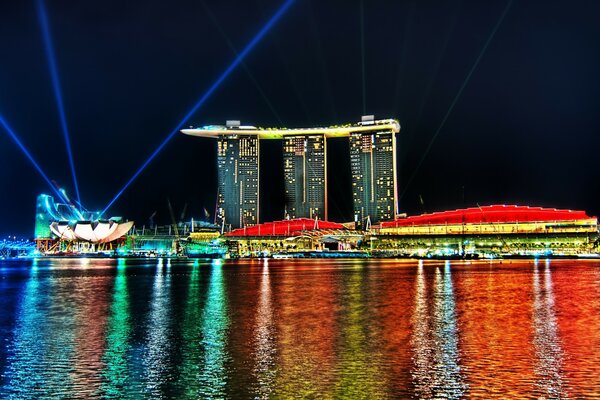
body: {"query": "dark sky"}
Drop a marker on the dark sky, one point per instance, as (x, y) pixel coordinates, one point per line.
(523, 131)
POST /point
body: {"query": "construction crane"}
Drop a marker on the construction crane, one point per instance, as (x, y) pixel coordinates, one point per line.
(173, 221)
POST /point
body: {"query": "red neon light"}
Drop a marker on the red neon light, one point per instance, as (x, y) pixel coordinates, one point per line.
(284, 228)
(490, 214)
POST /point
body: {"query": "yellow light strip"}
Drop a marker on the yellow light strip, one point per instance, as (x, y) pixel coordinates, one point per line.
(279, 133)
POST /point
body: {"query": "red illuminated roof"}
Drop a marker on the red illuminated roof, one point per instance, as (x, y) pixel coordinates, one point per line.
(490, 214)
(291, 227)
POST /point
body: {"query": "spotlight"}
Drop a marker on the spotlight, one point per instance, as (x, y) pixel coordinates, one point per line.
(43, 17)
(13, 135)
(207, 94)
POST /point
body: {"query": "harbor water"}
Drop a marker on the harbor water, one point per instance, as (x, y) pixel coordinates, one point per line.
(364, 328)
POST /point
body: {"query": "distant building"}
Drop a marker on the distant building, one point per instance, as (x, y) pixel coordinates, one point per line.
(238, 193)
(304, 168)
(373, 165)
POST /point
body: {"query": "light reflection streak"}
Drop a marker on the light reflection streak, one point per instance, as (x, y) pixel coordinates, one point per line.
(421, 342)
(546, 340)
(189, 367)
(21, 377)
(60, 338)
(90, 309)
(264, 370)
(360, 377)
(449, 378)
(116, 373)
(437, 371)
(306, 307)
(215, 325)
(159, 329)
(40, 356)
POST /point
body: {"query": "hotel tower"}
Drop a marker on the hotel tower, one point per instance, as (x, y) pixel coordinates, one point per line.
(372, 160)
(373, 165)
(305, 172)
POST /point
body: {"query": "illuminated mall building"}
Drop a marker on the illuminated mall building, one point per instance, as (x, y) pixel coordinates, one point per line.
(477, 232)
(373, 168)
(495, 229)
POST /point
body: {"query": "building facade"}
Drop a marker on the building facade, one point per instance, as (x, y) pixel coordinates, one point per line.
(373, 166)
(305, 173)
(238, 192)
(490, 231)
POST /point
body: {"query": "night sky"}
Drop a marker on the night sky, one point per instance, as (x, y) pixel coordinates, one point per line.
(524, 130)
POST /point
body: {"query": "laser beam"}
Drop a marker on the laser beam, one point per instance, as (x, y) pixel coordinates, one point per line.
(44, 25)
(462, 87)
(39, 169)
(362, 55)
(278, 14)
(243, 64)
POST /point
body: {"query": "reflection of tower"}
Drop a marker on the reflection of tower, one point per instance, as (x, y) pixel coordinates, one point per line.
(437, 369)
(304, 167)
(546, 339)
(238, 160)
(373, 165)
(264, 339)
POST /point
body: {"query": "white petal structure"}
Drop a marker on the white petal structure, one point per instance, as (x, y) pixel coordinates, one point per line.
(104, 229)
(54, 229)
(63, 230)
(121, 230)
(84, 231)
(94, 232)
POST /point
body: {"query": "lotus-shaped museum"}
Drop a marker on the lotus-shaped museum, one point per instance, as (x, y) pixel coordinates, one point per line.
(67, 222)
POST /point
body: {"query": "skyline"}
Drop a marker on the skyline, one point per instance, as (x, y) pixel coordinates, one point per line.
(522, 131)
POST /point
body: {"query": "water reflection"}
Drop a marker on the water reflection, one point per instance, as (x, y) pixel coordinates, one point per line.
(421, 342)
(300, 329)
(305, 301)
(546, 340)
(212, 377)
(191, 354)
(264, 337)
(158, 341)
(358, 375)
(41, 355)
(437, 371)
(27, 346)
(89, 306)
(116, 373)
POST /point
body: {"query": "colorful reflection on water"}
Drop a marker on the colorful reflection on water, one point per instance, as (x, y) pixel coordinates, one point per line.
(299, 328)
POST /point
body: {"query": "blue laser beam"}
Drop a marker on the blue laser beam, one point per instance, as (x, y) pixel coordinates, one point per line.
(14, 137)
(207, 94)
(243, 64)
(44, 25)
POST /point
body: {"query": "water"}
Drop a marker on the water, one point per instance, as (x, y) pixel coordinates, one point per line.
(303, 329)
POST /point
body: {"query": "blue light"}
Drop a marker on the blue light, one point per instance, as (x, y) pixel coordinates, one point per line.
(13, 135)
(43, 17)
(207, 94)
